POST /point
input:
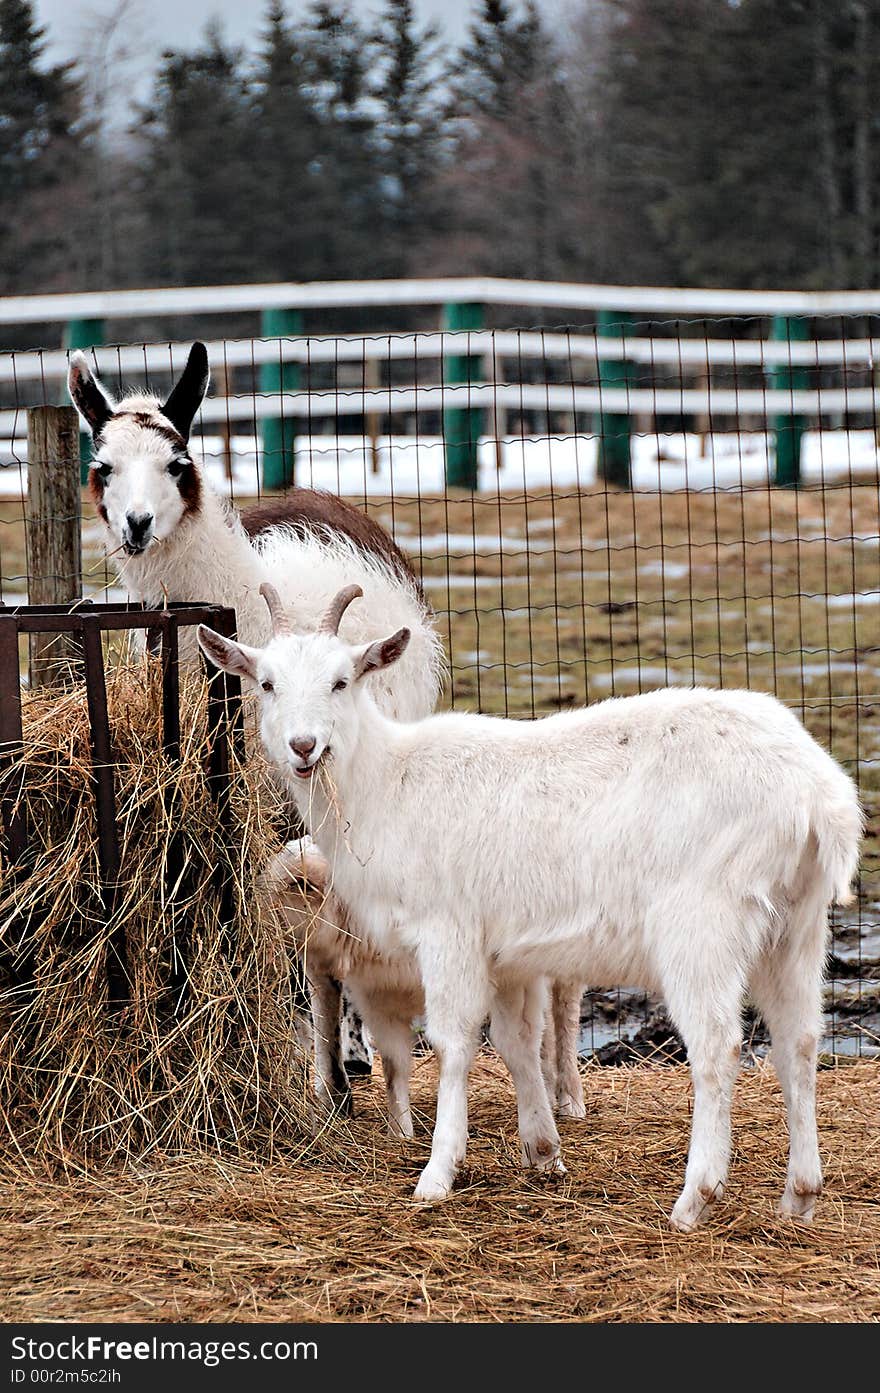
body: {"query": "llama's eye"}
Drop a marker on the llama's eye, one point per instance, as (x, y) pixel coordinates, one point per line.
(268, 686)
(340, 686)
(102, 470)
(176, 467)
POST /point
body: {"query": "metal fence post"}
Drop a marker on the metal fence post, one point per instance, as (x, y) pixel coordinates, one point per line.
(53, 531)
(614, 428)
(462, 425)
(789, 428)
(279, 432)
(83, 333)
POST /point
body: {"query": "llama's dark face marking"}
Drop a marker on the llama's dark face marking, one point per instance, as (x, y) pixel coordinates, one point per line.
(144, 481)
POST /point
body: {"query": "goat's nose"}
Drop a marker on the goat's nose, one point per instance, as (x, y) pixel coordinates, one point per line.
(302, 745)
(138, 525)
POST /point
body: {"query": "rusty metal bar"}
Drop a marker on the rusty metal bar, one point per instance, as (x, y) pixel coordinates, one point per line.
(225, 732)
(11, 806)
(105, 801)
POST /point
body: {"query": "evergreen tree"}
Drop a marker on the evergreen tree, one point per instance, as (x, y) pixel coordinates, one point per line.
(410, 131)
(336, 54)
(40, 147)
(510, 181)
(286, 151)
(200, 184)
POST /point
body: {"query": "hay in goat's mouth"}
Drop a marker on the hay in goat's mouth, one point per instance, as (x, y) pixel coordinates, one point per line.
(209, 1064)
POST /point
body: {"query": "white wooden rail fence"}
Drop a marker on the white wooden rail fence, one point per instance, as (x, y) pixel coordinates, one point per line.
(500, 354)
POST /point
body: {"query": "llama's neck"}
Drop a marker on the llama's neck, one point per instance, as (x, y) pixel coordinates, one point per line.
(207, 558)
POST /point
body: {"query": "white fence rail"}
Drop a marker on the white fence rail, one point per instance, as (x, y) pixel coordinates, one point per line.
(484, 290)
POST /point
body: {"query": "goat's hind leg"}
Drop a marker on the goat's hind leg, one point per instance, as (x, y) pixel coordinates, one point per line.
(565, 1004)
(787, 989)
(705, 1002)
(518, 1016)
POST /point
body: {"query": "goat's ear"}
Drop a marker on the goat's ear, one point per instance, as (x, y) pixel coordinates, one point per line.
(224, 653)
(188, 392)
(87, 394)
(382, 653)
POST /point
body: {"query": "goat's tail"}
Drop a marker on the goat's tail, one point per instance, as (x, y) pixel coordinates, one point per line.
(838, 825)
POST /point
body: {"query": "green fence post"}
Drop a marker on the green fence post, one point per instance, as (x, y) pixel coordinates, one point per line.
(614, 428)
(279, 432)
(789, 428)
(462, 425)
(83, 333)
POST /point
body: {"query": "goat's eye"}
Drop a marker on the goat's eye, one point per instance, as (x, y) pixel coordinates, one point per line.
(268, 686)
(340, 686)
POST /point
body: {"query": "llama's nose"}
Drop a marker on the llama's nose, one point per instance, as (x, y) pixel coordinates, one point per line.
(302, 745)
(138, 525)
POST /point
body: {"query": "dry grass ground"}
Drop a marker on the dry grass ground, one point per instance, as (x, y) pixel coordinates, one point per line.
(332, 1240)
(544, 601)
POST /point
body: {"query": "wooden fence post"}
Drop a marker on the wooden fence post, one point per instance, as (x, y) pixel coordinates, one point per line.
(53, 528)
(614, 428)
(462, 425)
(83, 333)
(788, 426)
(279, 432)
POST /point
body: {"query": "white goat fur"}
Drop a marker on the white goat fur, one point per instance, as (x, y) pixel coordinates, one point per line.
(685, 841)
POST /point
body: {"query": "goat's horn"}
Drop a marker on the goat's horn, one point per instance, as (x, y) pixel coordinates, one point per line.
(280, 622)
(330, 623)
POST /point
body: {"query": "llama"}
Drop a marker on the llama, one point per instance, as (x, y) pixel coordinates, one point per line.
(689, 841)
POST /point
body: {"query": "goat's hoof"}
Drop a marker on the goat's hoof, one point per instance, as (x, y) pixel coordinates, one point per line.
(693, 1207)
(569, 1106)
(431, 1189)
(798, 1201)
(400, 1128)
(337, 1104)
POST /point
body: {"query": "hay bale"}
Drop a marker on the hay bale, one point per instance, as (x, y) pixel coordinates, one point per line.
(202, 1054)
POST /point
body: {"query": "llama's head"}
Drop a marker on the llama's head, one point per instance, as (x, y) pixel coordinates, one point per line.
(143, 479)
(309, 684)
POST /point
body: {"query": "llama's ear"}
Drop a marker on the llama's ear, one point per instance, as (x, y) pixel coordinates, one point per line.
(187, 394)
(87, 394)
(224, 653)
(380, 654)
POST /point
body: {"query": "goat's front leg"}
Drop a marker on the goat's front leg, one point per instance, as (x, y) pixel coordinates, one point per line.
(456, 1003)
(331, 1081)
(518, 1016)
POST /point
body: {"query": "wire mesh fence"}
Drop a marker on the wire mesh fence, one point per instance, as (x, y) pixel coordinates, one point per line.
(629, 522)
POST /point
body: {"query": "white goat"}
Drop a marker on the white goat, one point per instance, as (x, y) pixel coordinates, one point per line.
(687, 841)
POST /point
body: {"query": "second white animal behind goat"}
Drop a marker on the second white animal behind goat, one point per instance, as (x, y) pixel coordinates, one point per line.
(685, 841)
